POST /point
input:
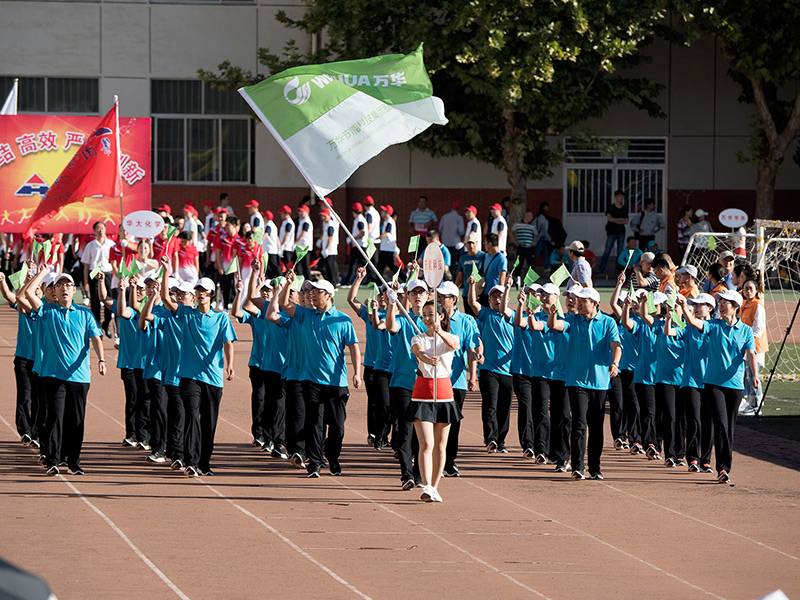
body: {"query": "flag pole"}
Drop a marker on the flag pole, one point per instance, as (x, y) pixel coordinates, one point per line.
(369, 262)
(119, 156)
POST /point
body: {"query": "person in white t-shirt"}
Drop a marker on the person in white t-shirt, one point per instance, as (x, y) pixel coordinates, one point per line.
(498, 225)
(451, 226)
(271, 246)
(373, 219)
(286, 234)
(96, 253)
(473, 225)
(360, 232)
(581, 273)
(388, 240)
(256, 218)
(192, 224)
(305, 237)
(329, 261)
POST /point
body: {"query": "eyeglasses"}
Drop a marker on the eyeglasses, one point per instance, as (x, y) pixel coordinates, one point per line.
(64, 284)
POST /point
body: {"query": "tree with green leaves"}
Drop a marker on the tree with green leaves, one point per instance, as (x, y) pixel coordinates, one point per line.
(513, 74)
(759, 41)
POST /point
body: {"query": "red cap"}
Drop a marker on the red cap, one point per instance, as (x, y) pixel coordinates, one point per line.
(165, 208)
(189, 203)
(285, 209)
(251, 204)
(303, 207)
(388, 208)
(495, 207)
(472, 209)
(268, 214)
(456, 205)
(325, 211)
(190, 209)
(357, 207)
(327, 201)
(210, 204)
(222, 210)
(369, 200)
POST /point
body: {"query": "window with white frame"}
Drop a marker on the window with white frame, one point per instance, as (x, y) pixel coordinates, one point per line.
(54, 94)
(637, 166)
(200, 135)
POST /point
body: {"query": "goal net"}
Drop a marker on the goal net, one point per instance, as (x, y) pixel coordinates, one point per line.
(773, 248)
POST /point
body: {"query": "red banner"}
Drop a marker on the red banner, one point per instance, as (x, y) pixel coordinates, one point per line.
(35, 149)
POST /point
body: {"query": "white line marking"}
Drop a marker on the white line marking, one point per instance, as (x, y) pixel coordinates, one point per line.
(289, 542)
(93, 405)
(119, 532)
(677, 512)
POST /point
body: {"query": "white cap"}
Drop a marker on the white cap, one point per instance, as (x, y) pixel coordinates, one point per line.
(173, 283)
(267, 284)
(700, 213)
(550, 288)
(577, 246)
(448, 288)
(417, 283)
(587, 292)
(150, 277)
(49, 279)
(61, 276)
(641, 292)
(472, 237)
(497, 288)
(187, 287)
(647, 257)
(534, 287)
(726, 254)
(323, 285)
(690, 269)
(206, 284)
(659, 298)
(729, 295)
(702, 299)
(140, 283)
(571, 290)
(306, 285)
(622, 296)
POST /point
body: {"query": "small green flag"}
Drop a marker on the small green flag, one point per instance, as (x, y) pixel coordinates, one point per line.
(531, 276)
(172, 231)
(298, 283)
(651, 304)
(160, 273)
(516, 264)
(631, 291)
(17, 279)
(233, 267)
(413, 276)
(36, 248)
(712, 242)
(559, 310)
(278, 280)
(396, 275)
(95, 271)
(144, 300)
(373, 290)
(370, 249)
(48, 247)
(299, 253)
(558, 277)
(672, 296)
(258, 235)
(134, 268)
(413, 243)
(476, 275)
(122, 272)
(679, 322)
(533, 303)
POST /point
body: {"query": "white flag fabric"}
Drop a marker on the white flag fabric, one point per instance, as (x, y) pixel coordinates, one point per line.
(10, 105)
(332, 118)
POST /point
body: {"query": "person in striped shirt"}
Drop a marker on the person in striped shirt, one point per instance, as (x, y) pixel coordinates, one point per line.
(524, 236)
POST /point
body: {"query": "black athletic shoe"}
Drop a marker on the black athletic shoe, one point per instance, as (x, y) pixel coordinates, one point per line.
(706, 468)
(313, 474)
(192, 472)
(578, 475)
(279, 451)
(207, 472)
(528, 453)
(335, 468)
(75, 470)
(694, 467)
(723, 477)
(26, 440)
(491, 447)
(297, 461)
(596, 475)
(408, 484)
(177, 465)
(451, 471)
(52, 471)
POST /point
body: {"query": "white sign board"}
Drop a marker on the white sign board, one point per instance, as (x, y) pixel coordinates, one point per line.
(433, 266)
(143, 224)
(733, 218)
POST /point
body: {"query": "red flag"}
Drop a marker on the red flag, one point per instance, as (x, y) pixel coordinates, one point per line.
(93, 171)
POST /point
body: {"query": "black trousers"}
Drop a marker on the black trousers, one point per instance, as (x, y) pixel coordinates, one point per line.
(158, 416)
(588, 412)
(137, 407)
(356, 261)
(176, 422)
(540, 407)
(273, 267)
(496, 394)
(630, 408)
(39, 404)
(369, 387)
(27, 401)
(699, 430)
(326, 406)
(404, 439)
(301, 266)
(329, 267)
(295, 417)
(257, 407)
(94, 302)
(647, 411)
(66, 413)
(227, 288)
(522, 389)
(201, 402)
(383, 406)
(386, 261)
(273, 423)
(616, 409)
(526, 260)
(455, 429)
(561, 422)
(673, 424)
(723, 406)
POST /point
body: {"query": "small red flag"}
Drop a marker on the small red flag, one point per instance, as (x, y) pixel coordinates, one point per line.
(93, 171)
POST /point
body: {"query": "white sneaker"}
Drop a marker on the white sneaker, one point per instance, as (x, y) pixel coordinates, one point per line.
(428, 494)
(436, 496)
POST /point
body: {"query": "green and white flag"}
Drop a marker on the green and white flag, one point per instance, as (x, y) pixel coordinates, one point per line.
(332, 118)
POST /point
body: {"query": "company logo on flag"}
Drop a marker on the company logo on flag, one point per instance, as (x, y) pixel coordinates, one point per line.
(330, 119)
(34, 185)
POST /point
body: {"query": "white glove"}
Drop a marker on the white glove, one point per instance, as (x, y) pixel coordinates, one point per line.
(392, 296)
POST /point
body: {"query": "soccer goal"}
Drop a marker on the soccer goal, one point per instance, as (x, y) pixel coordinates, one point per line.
(773, 248)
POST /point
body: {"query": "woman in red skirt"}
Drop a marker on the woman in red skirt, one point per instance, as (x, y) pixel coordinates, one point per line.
(432, 418)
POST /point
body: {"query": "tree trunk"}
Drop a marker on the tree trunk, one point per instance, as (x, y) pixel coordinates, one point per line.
(765, 190)
(512, 163)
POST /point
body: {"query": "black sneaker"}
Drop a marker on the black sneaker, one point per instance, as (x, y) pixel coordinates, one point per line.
(145, 446)
(297, 461)
(578, 475)
(681, 462)
(42, 460)
(177, 465)
(626, 446)
(35, 443)
(408, 484)
(191, 472)
(268, 446)
(562, 467)
(541, 459)
(279, 451)
(157, 457)
(694, 467)
(619, 444)
(596, 475)
(258, 442)
(207, 472)
(52, 471)
(637, 449)
(723, 477)
(26, 440)
(670, 462)
(313, 474)
(451, 471)
(502, 448)
(130, 442)
(706, 468)
(528, 453)
(491, 447)
(75, 470)
(371, 441)
(335, 468)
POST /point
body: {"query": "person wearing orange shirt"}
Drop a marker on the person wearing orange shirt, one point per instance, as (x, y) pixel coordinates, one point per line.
(716, 279)
(685, 280)
(663, 270)
(753, 313)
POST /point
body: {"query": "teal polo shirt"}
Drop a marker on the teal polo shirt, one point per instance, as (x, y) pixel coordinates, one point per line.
(294, 368)
(493, 265)
(68, 332)
(645, 372)
(522, 351)
(383, 350)
(167, 321)
(372, 338)
(670, 356)
(589, 351)
(630, 348)
(276, 346)
(258, 327)
(497, 334)
(695, 356)
(548, 349)
(154, 349)
(727, 345)
(25, 332)
(404, 364)
(465, 263)
(202, 339)
(327, 334)
(131, 341)
(465, 329)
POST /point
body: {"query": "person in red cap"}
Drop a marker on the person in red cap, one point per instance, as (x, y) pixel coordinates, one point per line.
(227, 249)
(271, 246)
(305, 237)
(191, 223)
(165, 212)
(373, 219)
(256, 218)
(286, 234)
(497, 225)
(421, 220)
(207, 222)
(452, 230)
(388, 238)
(360, 233)
(473, 226)
(329, 261)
